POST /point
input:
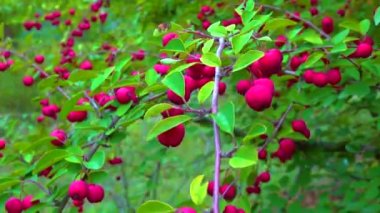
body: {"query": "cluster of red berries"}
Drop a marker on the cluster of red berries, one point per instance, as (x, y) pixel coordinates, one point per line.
(3, 143)
(79, 190)
(321, 79)
(15, 205)
(7, 62)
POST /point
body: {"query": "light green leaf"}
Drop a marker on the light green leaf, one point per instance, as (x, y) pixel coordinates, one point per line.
(121, 110)
(225, 118)
(155, 206)
(156, 110)
(101, 78)
(176, 82)
(80, 75)
(205, 92)
(207, 46)
(249, 5)
(182, 67)
(169, 61)
(339, 38)
(120, 65)
(255, 131)
(198, 191)
(364, 26)
(216, 30)
(351, 24)
(312, 37)
(246, 59)
(49, 158)
(210, 59)
(338, 48)
(245, 156)
(376, 17)
(239, 41)
(312, 59)
(6, 183)
(151, 77)
(97, 161)
(166, 124)
(278, 23)
(175, 45)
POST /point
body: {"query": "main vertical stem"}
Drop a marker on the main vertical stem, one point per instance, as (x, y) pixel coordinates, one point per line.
(214, 109)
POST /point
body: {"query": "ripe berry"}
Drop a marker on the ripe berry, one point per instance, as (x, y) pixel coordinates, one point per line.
(320, 79)
(60, 136)
(115, 161)
(2, 143)
(95, 193)
(262, 154)
(259, 97)
(39, 59)
(168, 37)
(308, 76)
(78, 190)
(314, 11)
(13, 205)
(172, 137)
(77, 116)
(185, 210)
(222, 88)
(334, 76)
(28, 81)
(172, 112)
(228, 192)
(126, 94)
(264, 177)
(161, 69)
(243, 86)
(327, 24)
(28, 202)
(280, 41)
(210, 188)
(363, 50)
(300, 126)
(85, 65)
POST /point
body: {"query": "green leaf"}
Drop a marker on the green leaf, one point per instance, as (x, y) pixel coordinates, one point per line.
(205, 92)
(376, 17)
(69, 105)
(156, 110)
(6, 183)
(312, 59)
(166, 124)
(155, 206)
(216, 30)
(245, 156)
(207, 46)
(255, 131)
(338, 48)
(278, 23)
(210, 59)
(121, 110)
(256, 23)
(339, 38)
(239, 41)
(97, 161)
(176, 82)
(249, 5)
(225, 118)
(175, 45)
(182, 67)
(360, 89)
(312, 37)
(350, 24)
(120, 65)
(151, 77)
(246, 59)
(364, 26)
(198, 191)
(169, 60)
(49, 158)
(101, 78)
(80, 75)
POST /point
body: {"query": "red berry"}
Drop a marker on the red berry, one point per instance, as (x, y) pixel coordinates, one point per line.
(13, 205)
(222, 88)
(126, 94)
(95, 193)
(243, 86)
(210, 188)
(78, 190)
(327, 24)
(314, 11)
(85, 65)
(60, 136)
(185, 210)
(320, 79)
(77, 116)
(27, 202)
(259, 97)
(300, 126)
(3, 142)
(262, 154)
(280, 41)
(228, 192)
(172, 112)
(115, 161)
(172, 137)
(334, 76)
(264, 177)
(168, 37)
(28, 81)
(39, 59)
(161, 69)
